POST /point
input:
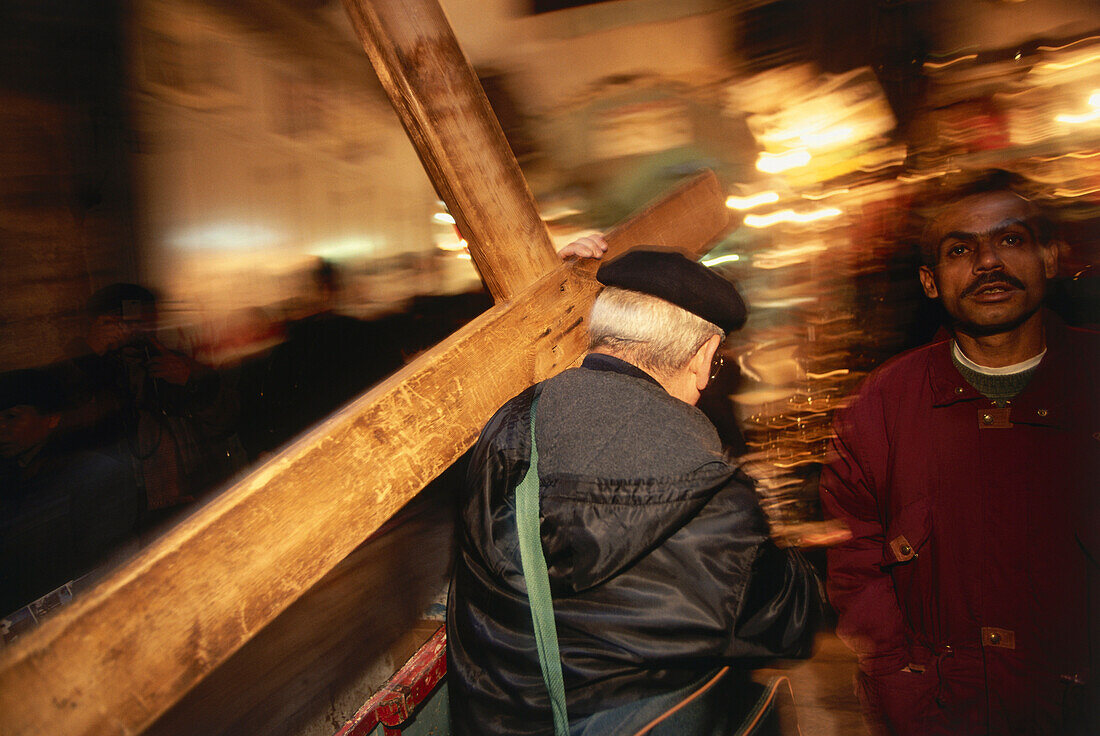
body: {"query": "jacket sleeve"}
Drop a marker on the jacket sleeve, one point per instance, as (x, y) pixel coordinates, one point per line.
(781, 609)
(869, 621)
(773, 594)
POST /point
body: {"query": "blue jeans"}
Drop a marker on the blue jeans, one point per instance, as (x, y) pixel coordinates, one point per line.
(717, 712)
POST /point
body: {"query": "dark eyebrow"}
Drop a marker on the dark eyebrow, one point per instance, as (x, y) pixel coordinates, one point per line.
(998, 228)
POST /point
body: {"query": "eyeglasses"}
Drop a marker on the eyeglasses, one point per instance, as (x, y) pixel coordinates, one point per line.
(716, 366)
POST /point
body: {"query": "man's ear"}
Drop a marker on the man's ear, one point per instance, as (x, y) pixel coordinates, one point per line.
(1049, 253)
(701, 361)
(928, 281)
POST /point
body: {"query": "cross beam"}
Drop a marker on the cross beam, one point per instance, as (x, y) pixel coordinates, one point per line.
(114, 661)
(445, 112)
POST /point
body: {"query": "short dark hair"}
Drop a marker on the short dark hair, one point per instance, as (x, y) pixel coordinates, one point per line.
(112, 299)
(943, 191)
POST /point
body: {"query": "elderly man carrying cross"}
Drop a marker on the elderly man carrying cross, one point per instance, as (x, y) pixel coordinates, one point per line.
(656, 567)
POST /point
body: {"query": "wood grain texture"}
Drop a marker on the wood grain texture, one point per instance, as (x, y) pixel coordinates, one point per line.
(114, 661)
(321, 658)
(689, 218)
(118, 659)
(121, 657)
(448, 118)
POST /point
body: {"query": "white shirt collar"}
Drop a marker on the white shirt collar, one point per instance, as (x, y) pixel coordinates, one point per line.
(1002, 371)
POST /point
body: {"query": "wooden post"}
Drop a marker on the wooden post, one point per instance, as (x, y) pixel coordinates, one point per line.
(115, 660)
(445, 112)
(120, 657)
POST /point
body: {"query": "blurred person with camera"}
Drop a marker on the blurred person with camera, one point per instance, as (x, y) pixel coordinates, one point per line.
(172, 417)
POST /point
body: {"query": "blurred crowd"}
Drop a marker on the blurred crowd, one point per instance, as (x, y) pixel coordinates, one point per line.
(101, 448)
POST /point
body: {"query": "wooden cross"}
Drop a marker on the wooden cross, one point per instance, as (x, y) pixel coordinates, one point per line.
(114, 661)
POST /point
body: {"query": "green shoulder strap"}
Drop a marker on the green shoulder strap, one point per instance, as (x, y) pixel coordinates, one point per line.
(538, 585)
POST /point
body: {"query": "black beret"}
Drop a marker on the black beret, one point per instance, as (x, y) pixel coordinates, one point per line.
(675, 278)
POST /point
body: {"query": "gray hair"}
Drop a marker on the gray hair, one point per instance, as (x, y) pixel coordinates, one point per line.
(650, 332)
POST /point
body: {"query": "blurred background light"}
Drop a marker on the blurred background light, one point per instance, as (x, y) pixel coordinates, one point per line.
(343, 249)
(815, 196)
(937, 66)
(454, 245)
(711, 262)
(753, 200)
(773, 163)
(226, 236)
(1088, 117)
(774, 218)
(823, 138)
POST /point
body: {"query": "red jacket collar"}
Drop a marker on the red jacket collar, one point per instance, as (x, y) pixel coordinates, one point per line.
(1044, 399)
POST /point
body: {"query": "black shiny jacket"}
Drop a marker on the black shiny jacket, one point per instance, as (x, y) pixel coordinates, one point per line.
(660, 564)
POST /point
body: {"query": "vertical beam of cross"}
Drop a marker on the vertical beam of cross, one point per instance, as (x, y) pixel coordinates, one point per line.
(444, 110)
(115, 660)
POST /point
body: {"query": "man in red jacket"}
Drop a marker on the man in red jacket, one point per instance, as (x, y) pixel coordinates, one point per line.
(966, 470)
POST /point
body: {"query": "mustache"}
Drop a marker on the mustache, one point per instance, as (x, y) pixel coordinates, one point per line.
(986, 279)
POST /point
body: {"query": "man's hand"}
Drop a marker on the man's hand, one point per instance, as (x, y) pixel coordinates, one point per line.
(591, 246)
(170, 367)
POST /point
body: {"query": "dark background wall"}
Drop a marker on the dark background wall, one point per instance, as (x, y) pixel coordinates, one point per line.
(65, 215)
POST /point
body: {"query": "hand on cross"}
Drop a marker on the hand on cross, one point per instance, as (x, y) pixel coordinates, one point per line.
(590, 246)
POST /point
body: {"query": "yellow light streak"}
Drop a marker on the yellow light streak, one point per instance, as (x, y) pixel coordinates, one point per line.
(710, 262)
(826, 137)
(934, 66)
(826, 195)
(792, 301)
(444, 217)
(872, 168)
(1062, 66)
(1071, 43)
(773, 163)
(753, 200)
(828, 374)
(914, 178)
(1072, 154)
(1088, 117)
(1075, 192)
(774, 218)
